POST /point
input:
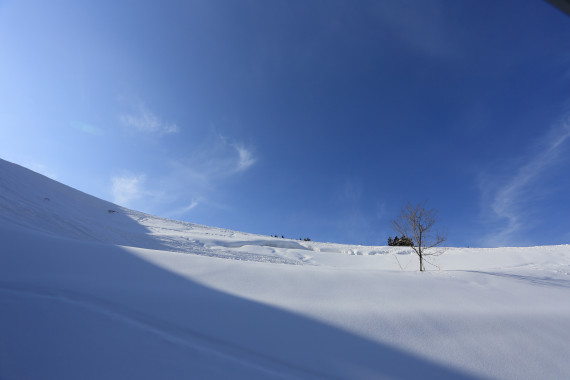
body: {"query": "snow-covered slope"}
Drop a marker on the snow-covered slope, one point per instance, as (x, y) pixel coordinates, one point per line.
(38, 203)
(92, 294)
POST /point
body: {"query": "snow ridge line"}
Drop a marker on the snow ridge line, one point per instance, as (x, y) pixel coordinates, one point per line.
(267, 365)
(226, 254)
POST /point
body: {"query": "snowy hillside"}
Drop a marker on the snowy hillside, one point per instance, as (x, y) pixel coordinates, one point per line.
(91, 290)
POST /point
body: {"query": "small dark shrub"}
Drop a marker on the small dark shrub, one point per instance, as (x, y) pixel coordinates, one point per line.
(404, 241)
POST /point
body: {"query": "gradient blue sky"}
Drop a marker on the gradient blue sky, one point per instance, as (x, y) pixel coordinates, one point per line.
(301, 118)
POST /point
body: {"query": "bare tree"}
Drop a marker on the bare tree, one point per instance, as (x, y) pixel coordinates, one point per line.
(417, 223)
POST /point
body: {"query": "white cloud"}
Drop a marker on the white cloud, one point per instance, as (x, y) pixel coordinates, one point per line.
(127, 189)
(218, 159)
(193, 204)
(147, 122)
(510, 200)
(246, 158)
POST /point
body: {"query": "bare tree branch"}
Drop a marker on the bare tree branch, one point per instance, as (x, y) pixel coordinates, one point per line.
(416, 223)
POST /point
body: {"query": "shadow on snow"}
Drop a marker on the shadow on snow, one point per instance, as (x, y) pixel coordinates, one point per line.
(109, 281)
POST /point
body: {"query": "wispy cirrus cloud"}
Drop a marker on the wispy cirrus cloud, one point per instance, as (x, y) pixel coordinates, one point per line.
(511, 200)
(220, 158)
(127, 188)
(144, 120)
(207, 169)
(186, 182)
(184, 209)
(246, 159)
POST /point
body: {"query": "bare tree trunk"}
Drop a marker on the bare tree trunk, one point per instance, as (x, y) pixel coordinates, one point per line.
(415, 223)
(420, 250)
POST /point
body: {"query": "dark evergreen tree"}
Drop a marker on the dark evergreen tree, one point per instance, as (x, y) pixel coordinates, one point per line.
(404, 241)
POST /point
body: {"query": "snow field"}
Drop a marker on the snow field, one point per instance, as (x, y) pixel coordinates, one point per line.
(88, 293)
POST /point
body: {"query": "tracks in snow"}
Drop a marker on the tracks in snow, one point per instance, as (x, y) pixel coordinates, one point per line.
(183, 337)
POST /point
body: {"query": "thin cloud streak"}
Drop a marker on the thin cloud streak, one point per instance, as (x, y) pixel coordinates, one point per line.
(509, 200)
(207, 169)
(245, 155)
(147, 122)
(219, 160)
(191, 181)
(183, 210)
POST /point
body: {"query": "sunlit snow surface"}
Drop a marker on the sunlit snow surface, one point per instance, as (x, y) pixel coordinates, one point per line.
(88, 293)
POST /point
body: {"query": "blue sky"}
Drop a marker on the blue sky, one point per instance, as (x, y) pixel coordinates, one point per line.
(299, 118)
